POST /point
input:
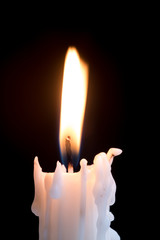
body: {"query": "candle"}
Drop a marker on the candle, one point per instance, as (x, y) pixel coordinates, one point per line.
(75, 206)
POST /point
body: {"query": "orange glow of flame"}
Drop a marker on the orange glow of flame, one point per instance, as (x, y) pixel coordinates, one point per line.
(73, 102)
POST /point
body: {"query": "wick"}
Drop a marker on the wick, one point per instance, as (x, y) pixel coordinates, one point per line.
(69, 154)
(70, 168)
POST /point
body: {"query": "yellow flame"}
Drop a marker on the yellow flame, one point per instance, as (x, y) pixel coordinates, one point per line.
(74, 93)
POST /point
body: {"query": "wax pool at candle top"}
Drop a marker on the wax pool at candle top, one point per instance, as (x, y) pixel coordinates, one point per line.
(76, 206)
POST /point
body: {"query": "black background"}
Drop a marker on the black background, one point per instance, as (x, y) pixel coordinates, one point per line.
(32, 50)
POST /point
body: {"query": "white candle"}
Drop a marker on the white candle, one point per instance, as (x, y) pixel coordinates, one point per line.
(76, 206)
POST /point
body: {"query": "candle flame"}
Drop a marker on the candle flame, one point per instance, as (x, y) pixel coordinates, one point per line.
(74, 93)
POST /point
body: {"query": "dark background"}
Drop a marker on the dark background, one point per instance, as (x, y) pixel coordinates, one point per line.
(32, 51)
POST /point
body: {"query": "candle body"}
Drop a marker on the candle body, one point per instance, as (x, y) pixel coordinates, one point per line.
(75, 206)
